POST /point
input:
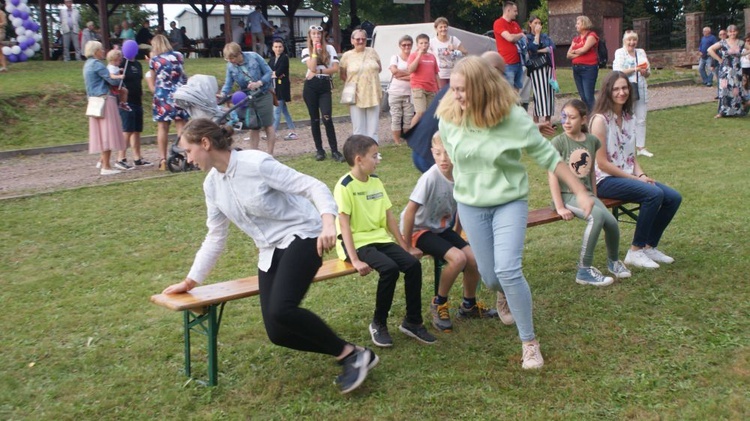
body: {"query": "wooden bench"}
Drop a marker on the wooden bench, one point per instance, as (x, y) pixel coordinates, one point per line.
(203, 306)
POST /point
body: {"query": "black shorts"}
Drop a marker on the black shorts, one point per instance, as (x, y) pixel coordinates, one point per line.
(132, 121)
(437, 245)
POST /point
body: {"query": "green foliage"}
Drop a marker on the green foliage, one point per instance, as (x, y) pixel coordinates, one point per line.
(542, 12)
(81, 340)
(133, 13)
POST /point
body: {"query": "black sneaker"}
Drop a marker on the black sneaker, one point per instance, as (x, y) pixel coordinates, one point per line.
(418, 332)
(380, 336)
(337, 156)
(123, 165)
(478, 311)
(142, 163)
(320, 155)
(355, 369)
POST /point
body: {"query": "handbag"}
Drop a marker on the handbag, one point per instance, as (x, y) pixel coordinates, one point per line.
(349, 93)
(252, 119)
(275, 98)
(553, 77)
(537, 62)
(95, 107)
(634, 93)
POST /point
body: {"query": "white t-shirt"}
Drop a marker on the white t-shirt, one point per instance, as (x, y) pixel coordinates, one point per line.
(399, 87)
(113, 70)
(331, 52)
(745, 60)
(435, 193)
(446, 58)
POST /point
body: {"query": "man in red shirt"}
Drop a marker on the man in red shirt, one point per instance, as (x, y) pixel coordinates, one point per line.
(507, 34)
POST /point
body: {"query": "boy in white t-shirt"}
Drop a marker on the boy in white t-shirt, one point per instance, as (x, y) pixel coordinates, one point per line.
(428, 220)
(114, 58)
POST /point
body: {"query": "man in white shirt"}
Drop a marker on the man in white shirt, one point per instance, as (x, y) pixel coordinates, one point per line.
(69, 18)
(238, 34)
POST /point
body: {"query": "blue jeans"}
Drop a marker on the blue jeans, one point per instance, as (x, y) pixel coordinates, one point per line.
(585, 77)
(659, 204)
(703, 64)
(277, 116)
(514, 75)
(496, 235)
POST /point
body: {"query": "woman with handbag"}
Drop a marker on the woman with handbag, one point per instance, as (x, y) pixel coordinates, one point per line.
(322, 62)
(399, 90)
(105, 126)
(634, 63)
(540, 47)
(253, 76)
(361, 66)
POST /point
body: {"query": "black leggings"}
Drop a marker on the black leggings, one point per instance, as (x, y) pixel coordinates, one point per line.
(317, 96)
(282, 288)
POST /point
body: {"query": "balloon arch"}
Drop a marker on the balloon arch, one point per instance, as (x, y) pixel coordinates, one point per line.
(27, 32)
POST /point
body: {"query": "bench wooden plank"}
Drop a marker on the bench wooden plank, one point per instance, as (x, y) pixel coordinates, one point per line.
(206, 295)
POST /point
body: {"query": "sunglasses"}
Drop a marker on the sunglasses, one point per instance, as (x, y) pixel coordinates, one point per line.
(405, 45)
(316, 28)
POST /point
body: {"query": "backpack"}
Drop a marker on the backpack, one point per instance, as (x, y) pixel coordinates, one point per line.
(602, 53)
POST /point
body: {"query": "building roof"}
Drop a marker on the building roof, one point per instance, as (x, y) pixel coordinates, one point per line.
(272, 12)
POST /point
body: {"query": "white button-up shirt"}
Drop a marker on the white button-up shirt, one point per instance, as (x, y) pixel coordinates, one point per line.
(267, 200)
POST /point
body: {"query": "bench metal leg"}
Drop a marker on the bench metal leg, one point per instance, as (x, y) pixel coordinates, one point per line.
(207, 324)
(617, 211)
(438, 272)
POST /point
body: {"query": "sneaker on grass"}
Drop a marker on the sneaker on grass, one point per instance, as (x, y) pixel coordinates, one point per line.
(503, 311)
(639, 259)
(592, 276)
(418, 332)
(618, 269)
(441, 318)
(291, 136)
(379, 334)
(123, 165)
(532, 356)
(478, 311)
(355, 368)
(110, 171)
(657, 256)
(142, 163)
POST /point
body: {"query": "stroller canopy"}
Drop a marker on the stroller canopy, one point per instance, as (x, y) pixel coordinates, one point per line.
(198, 97)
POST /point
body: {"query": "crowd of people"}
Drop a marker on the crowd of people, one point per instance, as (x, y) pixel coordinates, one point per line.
(463, 117)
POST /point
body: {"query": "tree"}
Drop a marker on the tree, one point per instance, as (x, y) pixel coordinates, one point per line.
(131, 12)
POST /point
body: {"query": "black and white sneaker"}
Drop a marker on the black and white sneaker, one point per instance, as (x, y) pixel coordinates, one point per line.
(418, 332)
(123, 165)
(142, 163)
(379, 334)
(355, 368)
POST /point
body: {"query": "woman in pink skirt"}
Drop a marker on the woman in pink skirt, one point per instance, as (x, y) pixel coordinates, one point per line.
(105, 133)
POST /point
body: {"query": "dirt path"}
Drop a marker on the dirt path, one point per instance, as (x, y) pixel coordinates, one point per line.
(29, 175)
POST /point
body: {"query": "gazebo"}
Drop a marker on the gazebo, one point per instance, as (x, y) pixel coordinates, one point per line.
(203, 8)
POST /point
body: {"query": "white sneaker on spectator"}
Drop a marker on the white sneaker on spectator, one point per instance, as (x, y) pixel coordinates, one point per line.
(657, 256)
(532, 356)
(110, 171)
(645, 152)
(639, 259)
(503, 310)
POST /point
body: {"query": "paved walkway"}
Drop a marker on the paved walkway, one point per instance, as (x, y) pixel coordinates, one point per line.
(52, 172)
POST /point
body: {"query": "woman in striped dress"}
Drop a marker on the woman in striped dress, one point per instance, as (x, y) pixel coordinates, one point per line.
(540, 44)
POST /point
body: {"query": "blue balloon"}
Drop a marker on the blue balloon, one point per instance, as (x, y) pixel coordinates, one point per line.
(22, 57)
(24, 15)
(13, 58)
(238, 97)
(16, 13)
(130, 49)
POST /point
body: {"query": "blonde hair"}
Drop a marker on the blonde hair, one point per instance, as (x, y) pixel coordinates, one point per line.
(232, 50)
(489, 97)
(437, 141)
(160, 45)
(113, 55)
(585, 21)
(91, 48)
(440, 20)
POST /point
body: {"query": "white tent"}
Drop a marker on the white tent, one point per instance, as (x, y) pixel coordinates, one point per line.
(385, 42)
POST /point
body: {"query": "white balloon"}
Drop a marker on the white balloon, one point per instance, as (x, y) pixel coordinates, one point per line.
(7, 51)
(17, 22)
(29, 52)
(21, 39)
(29, 33)
(36, 47)
(15, 49)
(24, 2)
(23, 7)
(10, 8)
(37, 37)
(20, 31)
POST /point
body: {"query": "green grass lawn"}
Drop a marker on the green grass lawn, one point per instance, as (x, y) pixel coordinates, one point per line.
(82, 341)
(43, 103)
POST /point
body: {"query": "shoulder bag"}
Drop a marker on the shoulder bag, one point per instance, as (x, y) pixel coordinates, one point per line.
(349, 93)
(95, 107)
(634, 93)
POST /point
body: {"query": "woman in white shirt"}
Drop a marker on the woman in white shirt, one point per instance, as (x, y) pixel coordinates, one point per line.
(290, 216)
(447, 49)
(634, 63)
(399, 90)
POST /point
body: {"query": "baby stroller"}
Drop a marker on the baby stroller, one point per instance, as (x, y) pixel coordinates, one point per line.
(198, 98)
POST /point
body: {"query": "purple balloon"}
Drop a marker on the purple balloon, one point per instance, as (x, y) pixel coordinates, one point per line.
(13, 58)
(15, 2)
(22, 57)
(238, 97)
(24, 15)
(130, 49)
(16, 13)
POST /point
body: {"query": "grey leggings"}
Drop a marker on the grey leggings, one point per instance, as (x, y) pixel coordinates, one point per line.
(599, 218)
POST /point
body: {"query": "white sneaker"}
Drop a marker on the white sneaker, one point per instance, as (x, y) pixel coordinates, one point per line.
(618, 269)
(532, 357)
(657, 256)
(109, 171)
(503, 310)
(98, 164)
(639, 259)
(645, 152)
